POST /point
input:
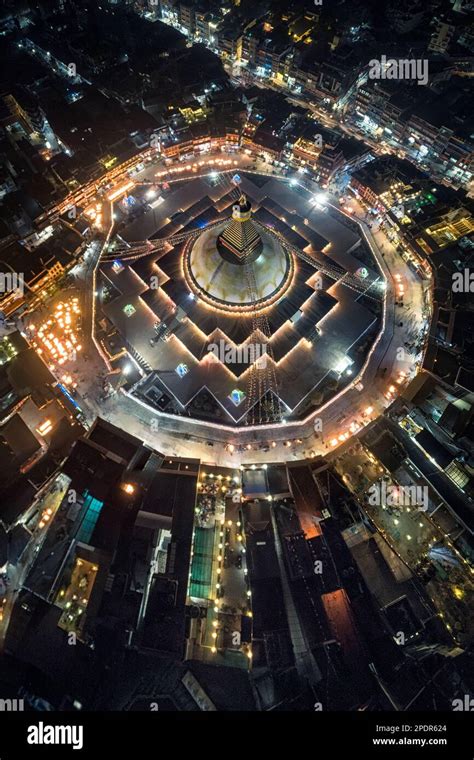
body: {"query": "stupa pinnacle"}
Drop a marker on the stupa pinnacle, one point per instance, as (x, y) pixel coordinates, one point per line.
(240, 241)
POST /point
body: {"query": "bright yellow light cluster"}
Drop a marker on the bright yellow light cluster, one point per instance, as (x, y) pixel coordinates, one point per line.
(57, 338)
(117, 192)
(94, 213)
(195, 166)
(45, 517)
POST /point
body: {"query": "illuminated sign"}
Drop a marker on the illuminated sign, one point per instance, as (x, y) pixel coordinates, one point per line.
(68, 396)
(182, 370)
(236, 396)
(129, 310)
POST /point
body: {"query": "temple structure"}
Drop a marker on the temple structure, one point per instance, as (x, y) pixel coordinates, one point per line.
(240, 242)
